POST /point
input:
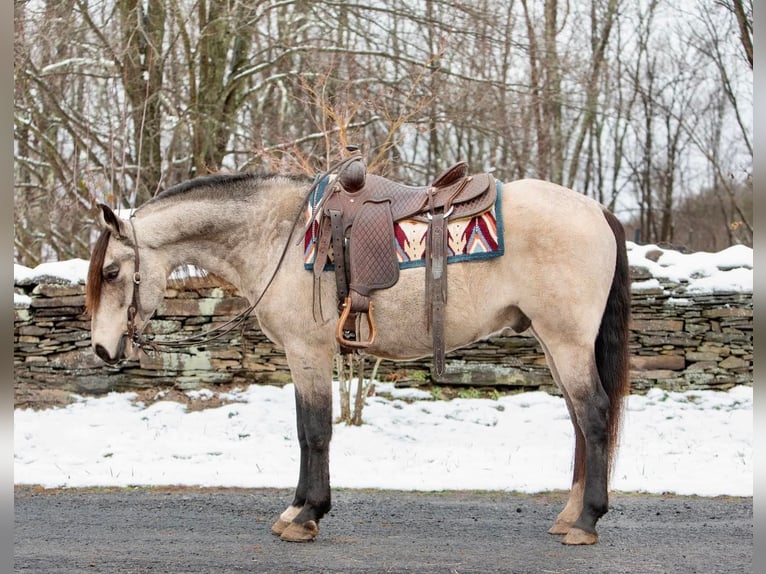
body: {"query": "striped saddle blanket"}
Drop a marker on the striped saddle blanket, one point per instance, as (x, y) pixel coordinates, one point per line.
(469, 239)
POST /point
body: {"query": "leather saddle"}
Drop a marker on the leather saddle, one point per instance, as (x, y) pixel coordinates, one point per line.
(356, 218)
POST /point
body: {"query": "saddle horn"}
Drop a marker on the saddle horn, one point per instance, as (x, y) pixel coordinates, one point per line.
(353, 175)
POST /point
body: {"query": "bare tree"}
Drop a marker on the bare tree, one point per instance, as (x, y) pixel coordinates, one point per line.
(727, 99)
(48, 163)
(545, 84)
(118, 99)
(602, 19)
(743, 12)
(140, 61)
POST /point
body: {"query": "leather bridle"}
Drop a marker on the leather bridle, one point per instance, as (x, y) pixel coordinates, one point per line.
(136, 336)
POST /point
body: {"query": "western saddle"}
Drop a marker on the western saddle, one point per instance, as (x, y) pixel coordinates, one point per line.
(356, 216)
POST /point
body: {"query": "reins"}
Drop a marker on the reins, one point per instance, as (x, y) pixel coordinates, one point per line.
(137, 336)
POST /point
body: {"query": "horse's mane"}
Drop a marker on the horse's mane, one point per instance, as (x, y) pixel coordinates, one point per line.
(216, 183)
(208, 181)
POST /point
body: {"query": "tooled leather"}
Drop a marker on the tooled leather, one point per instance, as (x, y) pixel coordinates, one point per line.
(373, 263)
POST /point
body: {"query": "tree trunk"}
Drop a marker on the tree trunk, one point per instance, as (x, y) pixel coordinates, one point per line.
(142, 42)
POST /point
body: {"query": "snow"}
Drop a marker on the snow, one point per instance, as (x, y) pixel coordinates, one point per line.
(696, 442)
(72, 271)
(730, 270)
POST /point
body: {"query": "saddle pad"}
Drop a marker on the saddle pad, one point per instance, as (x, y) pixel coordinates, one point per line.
(469, 239)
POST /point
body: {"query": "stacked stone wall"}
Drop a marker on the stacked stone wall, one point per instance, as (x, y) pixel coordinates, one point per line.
(678, 342)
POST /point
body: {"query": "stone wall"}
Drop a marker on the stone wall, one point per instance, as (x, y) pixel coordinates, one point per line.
(678, 342)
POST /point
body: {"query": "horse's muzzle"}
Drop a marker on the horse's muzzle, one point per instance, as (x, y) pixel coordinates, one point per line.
(104, 355)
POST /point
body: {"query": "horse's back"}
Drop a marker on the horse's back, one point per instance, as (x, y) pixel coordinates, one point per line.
(543, 219)
(536, 202)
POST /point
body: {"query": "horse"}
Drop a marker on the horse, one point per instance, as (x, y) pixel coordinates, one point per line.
(564, 276)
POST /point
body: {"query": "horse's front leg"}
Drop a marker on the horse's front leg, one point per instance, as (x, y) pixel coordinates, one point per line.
(313, 407)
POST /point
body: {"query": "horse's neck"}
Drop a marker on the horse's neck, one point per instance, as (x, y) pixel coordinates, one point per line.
(235, 240)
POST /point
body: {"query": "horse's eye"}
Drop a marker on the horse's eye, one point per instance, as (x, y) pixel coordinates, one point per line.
(111, 273)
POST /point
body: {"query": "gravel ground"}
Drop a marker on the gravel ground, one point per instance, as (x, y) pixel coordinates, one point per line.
(187, 530)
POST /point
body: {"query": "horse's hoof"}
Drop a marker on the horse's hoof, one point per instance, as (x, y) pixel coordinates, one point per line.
(305, 532)
(279, 527)
(560, 527)
(579, 536)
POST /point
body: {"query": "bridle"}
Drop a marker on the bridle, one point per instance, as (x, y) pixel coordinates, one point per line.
(137, 337)
(134, 335)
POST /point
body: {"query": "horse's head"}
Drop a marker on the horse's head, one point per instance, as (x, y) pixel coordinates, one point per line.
(126, 283)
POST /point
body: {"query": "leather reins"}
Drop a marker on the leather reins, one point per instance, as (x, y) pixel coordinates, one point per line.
(137, 337)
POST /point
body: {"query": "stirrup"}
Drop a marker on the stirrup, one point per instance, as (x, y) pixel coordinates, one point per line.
(352, 343)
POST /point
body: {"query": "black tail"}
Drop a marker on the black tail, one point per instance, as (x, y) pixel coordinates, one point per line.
(612, 342)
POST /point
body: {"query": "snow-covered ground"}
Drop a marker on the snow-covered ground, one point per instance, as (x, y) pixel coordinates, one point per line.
(685, 443)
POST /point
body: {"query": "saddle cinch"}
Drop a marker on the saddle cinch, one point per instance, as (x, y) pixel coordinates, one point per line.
(356, 217)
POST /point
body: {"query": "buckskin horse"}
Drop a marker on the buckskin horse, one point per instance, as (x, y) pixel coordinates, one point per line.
(563, 276)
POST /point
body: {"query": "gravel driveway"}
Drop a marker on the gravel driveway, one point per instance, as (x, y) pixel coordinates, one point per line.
(186, 530)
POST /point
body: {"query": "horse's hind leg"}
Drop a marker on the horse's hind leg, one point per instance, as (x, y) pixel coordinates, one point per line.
(574, 369)
(571, 512)
(573, 508)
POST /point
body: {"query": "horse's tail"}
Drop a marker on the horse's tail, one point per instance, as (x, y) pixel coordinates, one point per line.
(612, 342)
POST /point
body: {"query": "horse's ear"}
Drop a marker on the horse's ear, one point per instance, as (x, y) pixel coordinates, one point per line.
(110, 221)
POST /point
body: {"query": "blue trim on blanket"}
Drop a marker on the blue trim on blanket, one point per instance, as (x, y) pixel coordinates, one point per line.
(318, 192)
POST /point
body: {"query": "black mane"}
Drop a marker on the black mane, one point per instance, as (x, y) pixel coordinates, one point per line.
(219, 181)
(213, 180)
